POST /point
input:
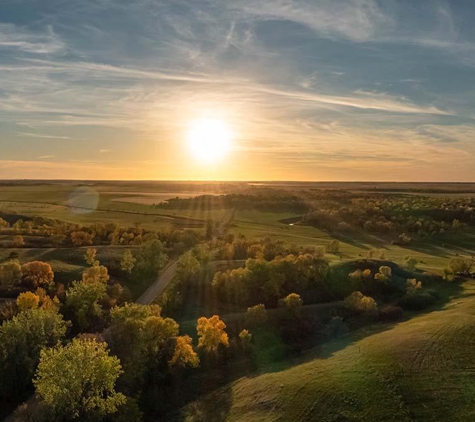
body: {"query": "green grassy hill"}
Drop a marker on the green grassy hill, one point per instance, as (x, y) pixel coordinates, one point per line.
(422, 369)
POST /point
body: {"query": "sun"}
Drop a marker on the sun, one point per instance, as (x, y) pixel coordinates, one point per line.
(209, 139)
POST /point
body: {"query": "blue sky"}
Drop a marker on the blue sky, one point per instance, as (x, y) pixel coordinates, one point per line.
(313, 90)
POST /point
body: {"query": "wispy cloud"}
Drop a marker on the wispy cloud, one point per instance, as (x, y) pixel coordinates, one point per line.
(42, 136)
(15, 37)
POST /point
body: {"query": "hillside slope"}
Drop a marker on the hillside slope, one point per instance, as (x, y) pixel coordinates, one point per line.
(422, 369)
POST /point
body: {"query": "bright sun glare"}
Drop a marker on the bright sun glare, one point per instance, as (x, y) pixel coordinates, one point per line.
(209, 139)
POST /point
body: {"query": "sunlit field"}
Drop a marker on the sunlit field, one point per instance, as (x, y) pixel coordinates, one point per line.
(219, 249)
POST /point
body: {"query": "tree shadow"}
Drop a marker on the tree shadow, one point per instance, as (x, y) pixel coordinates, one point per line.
(328, 348)
(213, 407)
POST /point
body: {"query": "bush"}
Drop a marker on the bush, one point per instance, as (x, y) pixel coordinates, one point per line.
(418, 301)
(390, 313)
(358, 302)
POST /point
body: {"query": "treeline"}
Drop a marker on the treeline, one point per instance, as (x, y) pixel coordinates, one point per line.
(56, 233)
(273, 200)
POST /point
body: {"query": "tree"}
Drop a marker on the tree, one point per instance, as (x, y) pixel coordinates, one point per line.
(384, 274)
(151, 257)
(357, 302)
(77, 381)
(184, 355)
(96, 274)
(37, 274)
(10, 274)
(410, 263)
(376, 254)
(245, 336)
(3, 223)
(128, 261)
(333, 247)
(81, 238)
(413, 285)
(90, 257)
(82, 299)
(211, 333)
(188, 268)
(21, 340)
(256, 315)
(27, 300)
(459, 265)
(18, 242)
(293, 302)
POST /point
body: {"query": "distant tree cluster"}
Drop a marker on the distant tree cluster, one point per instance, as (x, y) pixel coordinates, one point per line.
(268, 281)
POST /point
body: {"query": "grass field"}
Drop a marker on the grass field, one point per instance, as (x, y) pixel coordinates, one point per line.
(419, 369)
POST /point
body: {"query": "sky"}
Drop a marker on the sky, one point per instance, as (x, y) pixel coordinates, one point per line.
(346, 90)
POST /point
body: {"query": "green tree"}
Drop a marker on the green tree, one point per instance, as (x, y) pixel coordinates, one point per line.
(82, 299)
(151, 257)
(10, 274)
(77, 381)
(459, 265)
(188, 268)
(410, 263)
(21, 340)
(256, 316)
(128, 261)
(333, 247)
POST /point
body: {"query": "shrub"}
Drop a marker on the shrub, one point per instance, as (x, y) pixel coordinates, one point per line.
(384, 273)
(417, 302)
(256, 315)
(358, 302)
(390, 313)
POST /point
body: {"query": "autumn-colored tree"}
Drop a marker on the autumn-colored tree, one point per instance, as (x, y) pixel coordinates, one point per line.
(357, 302)
(293, 302)
(96, 274)
(90, 257)
(256, 251)
(37, 274)
(77, 381)
(184, 355)
(4, 224)
(413, 285)
(128, 261)
(245, 336)
(256, 315)
(27, 300)
(384, 274)
(81, 238)
(18, 242)
(47, 302)
(211, 333)
(10, 274)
